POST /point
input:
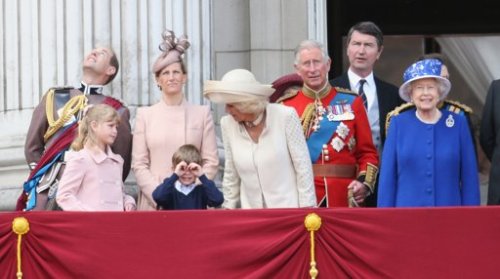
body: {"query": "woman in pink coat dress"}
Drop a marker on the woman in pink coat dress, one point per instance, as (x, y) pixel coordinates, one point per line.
(162, 128)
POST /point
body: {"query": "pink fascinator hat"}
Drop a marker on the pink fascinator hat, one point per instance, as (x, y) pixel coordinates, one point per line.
(172, 49)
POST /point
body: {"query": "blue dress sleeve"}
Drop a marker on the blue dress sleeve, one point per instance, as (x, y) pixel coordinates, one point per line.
(468, 167)
(387, 187)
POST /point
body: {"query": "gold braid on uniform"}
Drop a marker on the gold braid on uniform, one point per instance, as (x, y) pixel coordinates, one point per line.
(395, 112)
(70, 109)
(310, 112)
(455, 106)
(307, 117)
(371, 176)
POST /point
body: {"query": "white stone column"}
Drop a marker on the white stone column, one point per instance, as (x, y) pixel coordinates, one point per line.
(43, 45)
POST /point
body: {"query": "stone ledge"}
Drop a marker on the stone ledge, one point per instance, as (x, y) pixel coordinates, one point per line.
(8, 198)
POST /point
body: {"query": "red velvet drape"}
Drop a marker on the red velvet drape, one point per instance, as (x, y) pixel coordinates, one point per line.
(352, 243)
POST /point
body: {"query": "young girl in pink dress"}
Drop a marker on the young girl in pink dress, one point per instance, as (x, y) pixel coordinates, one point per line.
(92, 179)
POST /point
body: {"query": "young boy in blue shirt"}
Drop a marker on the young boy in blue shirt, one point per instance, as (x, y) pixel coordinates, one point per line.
(180, 190)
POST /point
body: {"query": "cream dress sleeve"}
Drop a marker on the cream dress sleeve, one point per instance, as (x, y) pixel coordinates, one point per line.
(231, 182)
(299, 154)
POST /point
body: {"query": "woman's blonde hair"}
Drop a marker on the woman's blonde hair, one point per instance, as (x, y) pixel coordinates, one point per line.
(99, 113)
(255, 107)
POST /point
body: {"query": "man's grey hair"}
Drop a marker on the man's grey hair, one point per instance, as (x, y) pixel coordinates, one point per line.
(310, 44)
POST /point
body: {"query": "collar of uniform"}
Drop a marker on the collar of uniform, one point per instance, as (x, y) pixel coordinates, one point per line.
(89, 89)
(100, 156)
(317, 94)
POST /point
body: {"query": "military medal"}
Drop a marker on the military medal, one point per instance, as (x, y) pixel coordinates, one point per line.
(450, 122)
(337, 144)
(340, 112)
(320, 111)
(342, 130)
(330, 116)
(316, 126)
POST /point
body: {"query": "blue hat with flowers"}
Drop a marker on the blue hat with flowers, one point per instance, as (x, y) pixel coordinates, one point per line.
(427, 68)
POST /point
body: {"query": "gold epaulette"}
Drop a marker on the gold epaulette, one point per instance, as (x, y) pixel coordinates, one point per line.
(345, 90)
(456, 107)
(289, 93)
(396, 111)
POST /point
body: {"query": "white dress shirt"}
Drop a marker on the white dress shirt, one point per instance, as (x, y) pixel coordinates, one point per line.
(372, 110)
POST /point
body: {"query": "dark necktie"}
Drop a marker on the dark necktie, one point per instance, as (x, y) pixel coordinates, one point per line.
(361, 93)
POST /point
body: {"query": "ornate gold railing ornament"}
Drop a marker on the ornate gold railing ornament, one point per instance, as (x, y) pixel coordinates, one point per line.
(20, 226)
(312, 223)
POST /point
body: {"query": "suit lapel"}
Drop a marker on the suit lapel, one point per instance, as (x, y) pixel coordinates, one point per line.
(343, 81)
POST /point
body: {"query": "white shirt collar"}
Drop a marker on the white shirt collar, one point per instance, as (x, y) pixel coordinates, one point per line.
(185, 189)
(354, 80)
(91, 88)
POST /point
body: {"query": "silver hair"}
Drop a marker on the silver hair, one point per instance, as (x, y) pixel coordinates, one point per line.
(310, 44)
(255, 107)
(442, 88)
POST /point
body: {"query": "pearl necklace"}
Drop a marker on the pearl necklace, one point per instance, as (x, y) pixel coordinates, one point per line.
(257, 121)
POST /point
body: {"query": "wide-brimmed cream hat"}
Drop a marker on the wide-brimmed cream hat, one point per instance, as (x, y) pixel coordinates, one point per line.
(427, 68)
(236, 86)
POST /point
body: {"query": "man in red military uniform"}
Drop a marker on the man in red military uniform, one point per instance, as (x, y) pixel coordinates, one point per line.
(345, 161)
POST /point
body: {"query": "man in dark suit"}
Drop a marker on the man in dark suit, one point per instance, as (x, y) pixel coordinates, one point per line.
(488, 138)
(364, 47)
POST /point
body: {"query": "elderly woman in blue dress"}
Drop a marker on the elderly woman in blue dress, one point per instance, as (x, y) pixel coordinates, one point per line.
(428, 158)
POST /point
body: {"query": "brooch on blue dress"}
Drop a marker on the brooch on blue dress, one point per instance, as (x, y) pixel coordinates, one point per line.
(450, 122)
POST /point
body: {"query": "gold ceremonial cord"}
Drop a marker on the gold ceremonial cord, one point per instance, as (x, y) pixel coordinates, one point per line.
(312, 224)
(20, 226)
(70, 109)
(306, 118)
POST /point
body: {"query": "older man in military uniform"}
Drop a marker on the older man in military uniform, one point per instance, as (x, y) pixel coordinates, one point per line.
(54, 125)
(345, 161)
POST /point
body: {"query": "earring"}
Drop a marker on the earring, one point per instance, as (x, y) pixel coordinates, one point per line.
(159, 86)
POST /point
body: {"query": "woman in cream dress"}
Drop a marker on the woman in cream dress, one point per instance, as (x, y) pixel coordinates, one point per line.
(162, 128)
(267, 160)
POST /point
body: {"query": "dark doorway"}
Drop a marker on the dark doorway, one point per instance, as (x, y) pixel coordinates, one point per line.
(409, 17)
(412, 28)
